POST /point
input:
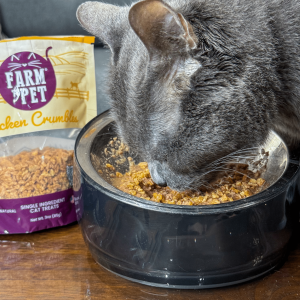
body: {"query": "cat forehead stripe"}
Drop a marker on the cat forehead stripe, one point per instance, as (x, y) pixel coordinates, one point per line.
(13, 56)
(31, 54)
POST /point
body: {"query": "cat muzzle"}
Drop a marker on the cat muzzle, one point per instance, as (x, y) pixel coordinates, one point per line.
(156, 171)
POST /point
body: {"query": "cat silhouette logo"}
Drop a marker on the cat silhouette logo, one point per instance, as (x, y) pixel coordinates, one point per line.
(27, 80)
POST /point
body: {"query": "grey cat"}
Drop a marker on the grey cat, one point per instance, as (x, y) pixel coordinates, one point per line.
(193, 81)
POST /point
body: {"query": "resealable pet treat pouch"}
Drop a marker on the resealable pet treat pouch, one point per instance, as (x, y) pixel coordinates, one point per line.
(47, 93)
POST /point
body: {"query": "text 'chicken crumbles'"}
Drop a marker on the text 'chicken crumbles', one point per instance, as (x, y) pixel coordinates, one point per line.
(34, 173)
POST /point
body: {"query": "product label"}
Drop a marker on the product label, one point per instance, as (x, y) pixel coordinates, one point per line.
(46, 83)
(30, 81)
(26, 215)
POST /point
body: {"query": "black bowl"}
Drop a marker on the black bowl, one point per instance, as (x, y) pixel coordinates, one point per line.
(177, 246)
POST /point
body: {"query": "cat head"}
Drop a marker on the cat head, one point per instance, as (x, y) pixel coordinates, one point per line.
(174, 96)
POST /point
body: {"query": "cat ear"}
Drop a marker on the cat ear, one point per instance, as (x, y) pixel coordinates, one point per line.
(162, 30)
(104, 21)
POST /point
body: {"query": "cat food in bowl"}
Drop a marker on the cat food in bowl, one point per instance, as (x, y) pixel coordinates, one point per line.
(181, 246)
(239, 181)
(138, 182)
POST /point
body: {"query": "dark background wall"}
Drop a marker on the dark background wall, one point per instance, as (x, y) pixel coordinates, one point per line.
(43, 17)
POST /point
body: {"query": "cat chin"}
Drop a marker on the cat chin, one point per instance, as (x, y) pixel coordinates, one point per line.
(182, 183)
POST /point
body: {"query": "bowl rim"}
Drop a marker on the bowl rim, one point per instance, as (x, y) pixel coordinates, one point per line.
(113, 192)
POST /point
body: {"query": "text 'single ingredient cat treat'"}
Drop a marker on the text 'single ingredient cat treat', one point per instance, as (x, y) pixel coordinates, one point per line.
(47, 93)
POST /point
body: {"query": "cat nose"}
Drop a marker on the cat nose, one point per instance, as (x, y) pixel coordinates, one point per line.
(156, 172)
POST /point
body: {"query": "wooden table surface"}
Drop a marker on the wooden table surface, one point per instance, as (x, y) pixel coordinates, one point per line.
(56, 264)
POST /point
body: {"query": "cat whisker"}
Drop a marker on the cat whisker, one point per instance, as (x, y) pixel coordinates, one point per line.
(35, 61)
(215, 168)
(209, 171)
(229, 156)
(15, 68)
(13, 64)
(228, 169)
(33, 65)
(236, 155)
(206, 186)
(229, 160)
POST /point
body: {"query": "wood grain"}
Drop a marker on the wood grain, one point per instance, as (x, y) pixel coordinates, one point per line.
(55, 264)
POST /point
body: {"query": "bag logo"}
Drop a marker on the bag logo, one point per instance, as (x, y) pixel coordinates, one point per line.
(27, 80)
